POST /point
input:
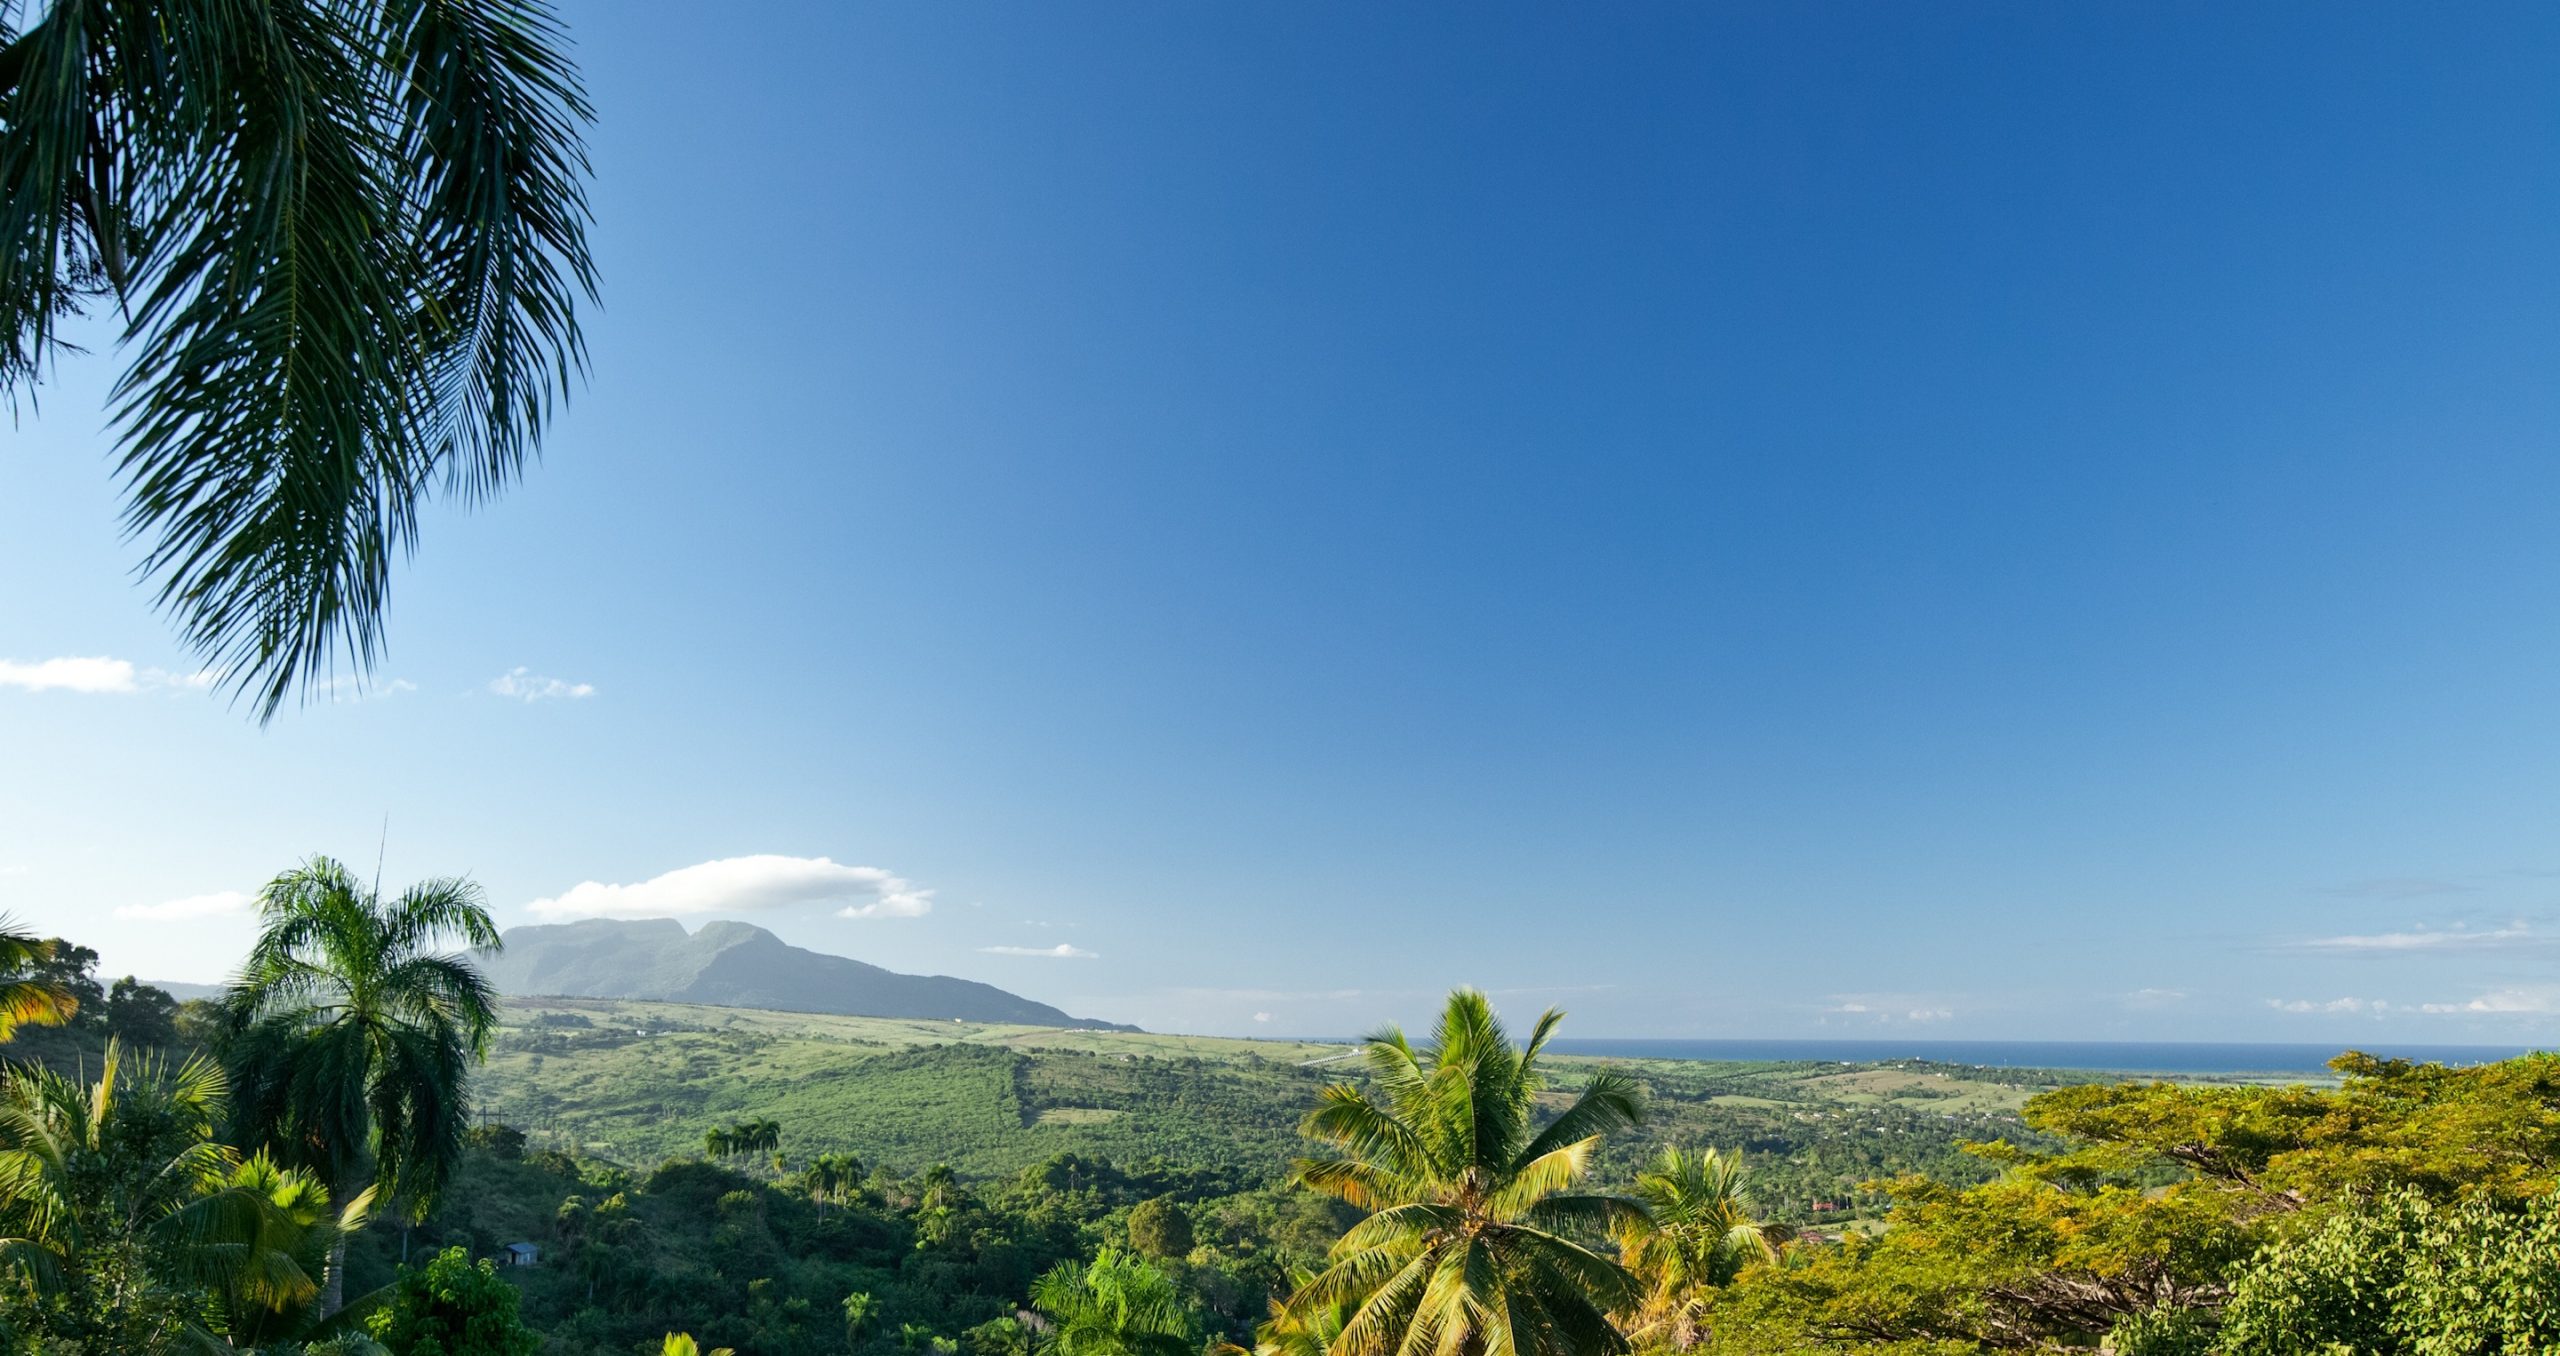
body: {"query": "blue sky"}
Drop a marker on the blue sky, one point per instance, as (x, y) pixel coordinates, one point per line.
(1747, 520)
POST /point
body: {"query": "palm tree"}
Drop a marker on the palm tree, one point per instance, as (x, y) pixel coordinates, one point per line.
(351, 1036)
(1695, 1235)
(299, 1227)
(116, 1199)
(682, 1344)
(1304, 1329)
(831, 1177)
(29, 999)
(716, 1143)
(1470, 1248)
(344, 241)
(1117, 1306)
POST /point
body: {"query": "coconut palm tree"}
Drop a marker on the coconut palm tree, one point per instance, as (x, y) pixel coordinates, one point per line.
(351, 1036)
(27, 998)
(1473, 1246)
(1117, 1306)
(116, 1200)
(1301, 1329)
(1695, 1235)
(343, 242)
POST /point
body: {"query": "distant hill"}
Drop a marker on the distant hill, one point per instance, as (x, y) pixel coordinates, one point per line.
(739, 965)
(182, 990)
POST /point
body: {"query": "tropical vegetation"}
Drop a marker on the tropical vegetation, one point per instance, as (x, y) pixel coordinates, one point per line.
(1464, 1194)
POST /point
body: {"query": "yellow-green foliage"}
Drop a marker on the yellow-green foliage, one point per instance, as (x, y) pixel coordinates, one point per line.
(2490, 1131)
(2136, 1230)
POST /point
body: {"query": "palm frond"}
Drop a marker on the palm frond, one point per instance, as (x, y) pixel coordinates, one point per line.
(1544, 1176)
(348, 238)
(1613, 1100)
(1387, 1302)
(1345, 1117)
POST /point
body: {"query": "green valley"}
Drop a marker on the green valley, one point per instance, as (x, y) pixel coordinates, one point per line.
(636, 1082)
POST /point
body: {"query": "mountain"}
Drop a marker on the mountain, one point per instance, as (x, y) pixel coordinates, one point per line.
(738, 965)
(182, 990)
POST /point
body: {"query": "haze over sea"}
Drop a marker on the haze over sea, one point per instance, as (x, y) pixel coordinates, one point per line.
(2185, 1057)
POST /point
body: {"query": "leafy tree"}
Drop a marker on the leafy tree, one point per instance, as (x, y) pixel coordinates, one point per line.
(497, 1141)
(1004, 1336)
(860, 1309)
(2140, 1227)
(1119, 1305)
(452, 1306)
(344, 243)
(2405, 1275)
(1468, 1245)
(2015, 1263)
(201, 1023)
(140, 1016)
(128, 1225)
(682, 1344)
(1158, 1228)
(2488, 1130)
(1693, 1237)
(351, 1037)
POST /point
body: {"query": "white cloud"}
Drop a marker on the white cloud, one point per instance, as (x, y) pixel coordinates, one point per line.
(1061, 951)
(2503, 1002)
(219, 904)
(2456, 938)
(2155, 998)
(2334, 1005)
(349, 690)
(745, 885)
(1888, 1009)
(103, 674)
(525, 685)
(1262, 1016)
(96, 674)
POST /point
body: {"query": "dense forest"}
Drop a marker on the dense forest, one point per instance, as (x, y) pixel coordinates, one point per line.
(357, 1150)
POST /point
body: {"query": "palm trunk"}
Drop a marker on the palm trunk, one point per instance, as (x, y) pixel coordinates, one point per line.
(333, 1287)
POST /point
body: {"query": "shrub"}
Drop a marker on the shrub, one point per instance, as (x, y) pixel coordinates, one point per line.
(453, 1307)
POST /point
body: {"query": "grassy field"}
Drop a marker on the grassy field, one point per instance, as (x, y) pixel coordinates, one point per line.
(640, 1082)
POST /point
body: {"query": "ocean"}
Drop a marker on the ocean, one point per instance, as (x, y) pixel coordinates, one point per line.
(2185, 1057)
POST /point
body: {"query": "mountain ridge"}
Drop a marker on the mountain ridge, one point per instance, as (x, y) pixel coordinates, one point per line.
(732, 964)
